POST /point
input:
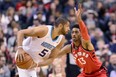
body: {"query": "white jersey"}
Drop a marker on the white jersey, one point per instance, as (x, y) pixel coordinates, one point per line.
(40, 48)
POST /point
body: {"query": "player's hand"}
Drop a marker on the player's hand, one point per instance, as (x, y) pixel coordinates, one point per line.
(20, 55)
(78, 12)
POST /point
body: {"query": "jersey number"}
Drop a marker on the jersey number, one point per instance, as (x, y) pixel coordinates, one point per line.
(43, 53)
(81, 60)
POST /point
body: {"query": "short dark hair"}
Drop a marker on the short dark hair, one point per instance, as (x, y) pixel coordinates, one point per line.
(61, 20)
(75, 26)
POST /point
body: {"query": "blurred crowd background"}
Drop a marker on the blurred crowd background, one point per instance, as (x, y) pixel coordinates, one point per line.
(100, 19)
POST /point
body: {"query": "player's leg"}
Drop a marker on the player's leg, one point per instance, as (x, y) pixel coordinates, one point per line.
(27, 73)
(32, 73)
(22, 73)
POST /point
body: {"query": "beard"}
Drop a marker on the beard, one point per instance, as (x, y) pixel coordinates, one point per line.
(63, 31)
(76, 39)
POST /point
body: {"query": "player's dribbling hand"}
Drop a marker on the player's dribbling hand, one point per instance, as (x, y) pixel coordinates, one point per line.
(20, 55)
(78, 12)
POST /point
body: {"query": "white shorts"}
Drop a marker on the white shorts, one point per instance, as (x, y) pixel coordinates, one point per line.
(27, 72)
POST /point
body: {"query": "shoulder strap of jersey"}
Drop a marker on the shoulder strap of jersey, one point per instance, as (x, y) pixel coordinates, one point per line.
(49, 30)
(72, 46)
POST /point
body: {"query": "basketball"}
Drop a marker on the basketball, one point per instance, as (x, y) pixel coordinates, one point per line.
(26, 63)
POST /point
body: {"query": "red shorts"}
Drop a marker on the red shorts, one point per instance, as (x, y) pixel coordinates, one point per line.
(101, 73)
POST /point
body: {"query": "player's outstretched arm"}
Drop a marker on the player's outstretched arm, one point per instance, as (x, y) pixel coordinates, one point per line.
(82, 26)
(86, 42)
(66, 49)
(34, 32)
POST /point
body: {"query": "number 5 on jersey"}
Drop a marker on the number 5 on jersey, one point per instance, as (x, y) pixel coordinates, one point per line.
(43, 53)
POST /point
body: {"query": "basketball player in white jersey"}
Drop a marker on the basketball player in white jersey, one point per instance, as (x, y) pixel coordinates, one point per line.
(42, 44)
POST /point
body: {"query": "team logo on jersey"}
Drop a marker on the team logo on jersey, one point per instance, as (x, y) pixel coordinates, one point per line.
(80, 57)
(47, 45)
(81, 54)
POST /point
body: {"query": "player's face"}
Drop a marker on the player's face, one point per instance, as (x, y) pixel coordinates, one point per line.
(65, 29)
(75, 34)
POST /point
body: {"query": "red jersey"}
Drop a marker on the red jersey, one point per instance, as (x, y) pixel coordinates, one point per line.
(86, 59)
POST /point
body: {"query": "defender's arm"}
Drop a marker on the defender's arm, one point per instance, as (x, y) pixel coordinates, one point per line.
(86, 42)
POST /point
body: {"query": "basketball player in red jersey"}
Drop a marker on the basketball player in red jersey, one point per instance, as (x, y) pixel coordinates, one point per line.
(83, 50)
